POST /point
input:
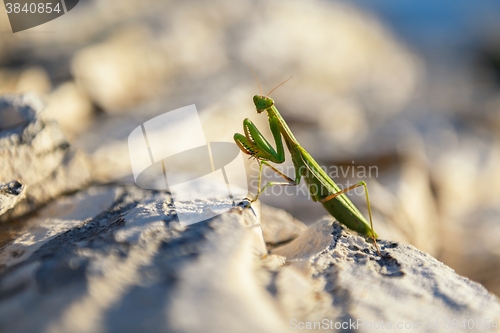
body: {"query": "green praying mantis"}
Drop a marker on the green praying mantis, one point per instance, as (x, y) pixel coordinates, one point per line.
(321, 187)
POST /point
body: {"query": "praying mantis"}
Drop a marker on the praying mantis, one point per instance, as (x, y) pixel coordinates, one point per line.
(321, 187)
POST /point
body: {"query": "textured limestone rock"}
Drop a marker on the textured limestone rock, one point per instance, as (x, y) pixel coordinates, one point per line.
(406, 286)
(132, 267)
(35, 153)
(116, 259)
(10, 194)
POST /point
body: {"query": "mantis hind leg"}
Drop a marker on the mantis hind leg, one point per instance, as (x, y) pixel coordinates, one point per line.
(362, 183)
(290, 181)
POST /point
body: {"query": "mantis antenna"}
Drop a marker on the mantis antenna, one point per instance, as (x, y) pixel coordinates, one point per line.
(256, 79)
(279, 85)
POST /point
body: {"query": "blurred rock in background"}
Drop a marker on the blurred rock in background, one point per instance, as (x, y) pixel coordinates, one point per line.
(36, 155)
(375, 84)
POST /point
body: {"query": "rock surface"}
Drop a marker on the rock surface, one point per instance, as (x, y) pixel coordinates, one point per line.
(10, 194)
(279, 225)
(118, 260)
(35, 153)
(407, 286)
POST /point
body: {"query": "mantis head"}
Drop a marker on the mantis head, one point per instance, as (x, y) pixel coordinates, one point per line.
(262, 102)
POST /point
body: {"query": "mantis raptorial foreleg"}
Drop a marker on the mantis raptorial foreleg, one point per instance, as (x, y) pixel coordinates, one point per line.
(255, 144)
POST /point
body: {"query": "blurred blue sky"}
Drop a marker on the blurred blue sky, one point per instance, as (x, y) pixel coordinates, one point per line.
(432, 25)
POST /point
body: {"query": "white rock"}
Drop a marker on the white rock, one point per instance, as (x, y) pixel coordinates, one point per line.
(406, 286)
(71, 108)
(278, 226)
(35, 153)
(116, 259)
(10, 194)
